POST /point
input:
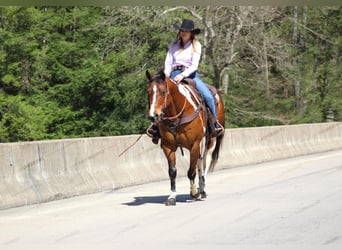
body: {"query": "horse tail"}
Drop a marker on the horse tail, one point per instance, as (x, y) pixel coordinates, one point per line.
(216, 152)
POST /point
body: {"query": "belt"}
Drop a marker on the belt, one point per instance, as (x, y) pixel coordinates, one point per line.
(179, 67)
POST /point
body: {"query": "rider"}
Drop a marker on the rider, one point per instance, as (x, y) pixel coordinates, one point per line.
(182, 61)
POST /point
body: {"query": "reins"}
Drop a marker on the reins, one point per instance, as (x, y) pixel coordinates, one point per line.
(130, 145)
(173, 118)
(178, 119)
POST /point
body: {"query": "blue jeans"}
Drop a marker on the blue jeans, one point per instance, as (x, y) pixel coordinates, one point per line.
(202, 88)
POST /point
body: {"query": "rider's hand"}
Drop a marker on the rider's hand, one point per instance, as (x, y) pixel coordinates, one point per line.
(179, 78)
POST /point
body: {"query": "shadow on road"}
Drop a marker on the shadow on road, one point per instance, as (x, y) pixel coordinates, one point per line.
(159, 199)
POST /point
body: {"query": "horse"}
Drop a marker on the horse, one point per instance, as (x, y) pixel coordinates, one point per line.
(181, 118)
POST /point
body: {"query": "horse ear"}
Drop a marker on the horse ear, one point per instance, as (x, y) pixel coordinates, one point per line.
(148, 75)
(162, 75)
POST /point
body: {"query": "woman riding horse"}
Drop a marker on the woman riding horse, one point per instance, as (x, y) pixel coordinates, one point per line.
(182, 123)
(181, 62)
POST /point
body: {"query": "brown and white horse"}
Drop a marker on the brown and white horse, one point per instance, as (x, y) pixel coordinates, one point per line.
(181, 118)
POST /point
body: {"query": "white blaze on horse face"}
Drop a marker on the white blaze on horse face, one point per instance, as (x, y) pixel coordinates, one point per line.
(154, 99)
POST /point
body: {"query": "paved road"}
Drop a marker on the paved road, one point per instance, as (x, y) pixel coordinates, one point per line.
(296, 201)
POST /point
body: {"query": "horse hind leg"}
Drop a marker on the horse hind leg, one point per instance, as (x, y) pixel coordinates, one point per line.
(197, 160)
(206, 146)
(202, 174)
(194, 192)
(198, 193)
(201, 182)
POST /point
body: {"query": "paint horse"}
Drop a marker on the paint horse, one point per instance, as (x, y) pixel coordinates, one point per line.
(182, 121)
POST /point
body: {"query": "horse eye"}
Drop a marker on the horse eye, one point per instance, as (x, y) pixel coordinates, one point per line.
(162, 92)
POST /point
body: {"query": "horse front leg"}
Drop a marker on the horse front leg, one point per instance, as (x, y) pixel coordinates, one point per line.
(171, 200)
(171, 159)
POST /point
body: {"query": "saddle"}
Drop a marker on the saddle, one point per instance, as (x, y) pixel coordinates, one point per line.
(210, 120)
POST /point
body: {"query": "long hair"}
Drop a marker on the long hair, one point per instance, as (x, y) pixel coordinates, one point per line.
(193, 38)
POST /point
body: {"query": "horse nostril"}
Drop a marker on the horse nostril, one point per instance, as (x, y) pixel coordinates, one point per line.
(153, 117)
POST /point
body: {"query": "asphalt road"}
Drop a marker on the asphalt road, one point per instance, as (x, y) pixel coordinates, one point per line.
(293, 202)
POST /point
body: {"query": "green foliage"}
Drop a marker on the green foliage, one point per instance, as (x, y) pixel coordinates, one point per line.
(80, 71)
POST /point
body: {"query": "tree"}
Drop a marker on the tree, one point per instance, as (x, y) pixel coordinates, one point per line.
(79, 71)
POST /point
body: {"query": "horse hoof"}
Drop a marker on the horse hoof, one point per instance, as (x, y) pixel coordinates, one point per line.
(203, 195)
(170, 202)
(195, 196)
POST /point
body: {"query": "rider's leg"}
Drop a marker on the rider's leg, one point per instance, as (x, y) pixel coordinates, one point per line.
(174, 73)
(209, 99)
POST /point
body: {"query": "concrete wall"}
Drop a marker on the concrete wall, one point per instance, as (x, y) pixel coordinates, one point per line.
(41, 171)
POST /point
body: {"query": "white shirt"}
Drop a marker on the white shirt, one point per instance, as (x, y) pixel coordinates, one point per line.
(188, 57)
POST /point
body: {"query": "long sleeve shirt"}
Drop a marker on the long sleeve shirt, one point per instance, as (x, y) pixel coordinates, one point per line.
(188, 57)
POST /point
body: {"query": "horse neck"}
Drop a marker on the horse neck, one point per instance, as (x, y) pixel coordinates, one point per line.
(180, 103)
(178, 99)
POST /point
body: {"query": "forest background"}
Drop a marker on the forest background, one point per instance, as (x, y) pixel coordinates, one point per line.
(69, 72)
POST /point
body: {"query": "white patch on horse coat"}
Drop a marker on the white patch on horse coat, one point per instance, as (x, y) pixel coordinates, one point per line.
(172, 195)
(184, 90)
(153, 100)
(187, 95)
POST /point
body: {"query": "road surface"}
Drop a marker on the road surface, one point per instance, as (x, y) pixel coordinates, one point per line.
(292, 202)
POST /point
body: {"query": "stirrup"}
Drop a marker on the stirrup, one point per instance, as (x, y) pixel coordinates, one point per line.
(220, 129)
(153, 133)
(149, 131)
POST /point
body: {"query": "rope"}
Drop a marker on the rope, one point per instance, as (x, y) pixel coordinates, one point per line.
(130, 145)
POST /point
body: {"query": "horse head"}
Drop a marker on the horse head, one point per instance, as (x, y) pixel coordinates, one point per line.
(157, 95)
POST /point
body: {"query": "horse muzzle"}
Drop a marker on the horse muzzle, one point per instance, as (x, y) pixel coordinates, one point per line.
(156, 117)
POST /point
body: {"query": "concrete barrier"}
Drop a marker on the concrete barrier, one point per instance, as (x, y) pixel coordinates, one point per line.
(256, 145)
(41, 171)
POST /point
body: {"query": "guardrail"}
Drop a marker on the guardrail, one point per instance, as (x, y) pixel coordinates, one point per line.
(41, 171)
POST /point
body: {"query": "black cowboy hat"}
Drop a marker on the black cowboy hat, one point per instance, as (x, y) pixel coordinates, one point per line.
(189, 26)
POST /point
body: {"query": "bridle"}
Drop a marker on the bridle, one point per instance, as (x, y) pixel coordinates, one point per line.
(177, 119)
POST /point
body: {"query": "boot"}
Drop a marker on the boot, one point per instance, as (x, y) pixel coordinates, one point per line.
(152, 131)
(219, 129)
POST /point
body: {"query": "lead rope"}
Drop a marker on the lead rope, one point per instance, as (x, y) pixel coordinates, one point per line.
(130, 145)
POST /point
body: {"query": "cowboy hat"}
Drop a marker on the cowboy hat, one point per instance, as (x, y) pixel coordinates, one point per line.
(189, 26)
